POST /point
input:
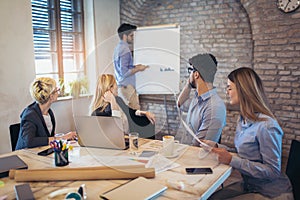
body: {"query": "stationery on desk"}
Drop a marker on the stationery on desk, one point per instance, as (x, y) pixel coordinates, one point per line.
(24, 192)
(11, 162)
(138, 189)
(106, 169)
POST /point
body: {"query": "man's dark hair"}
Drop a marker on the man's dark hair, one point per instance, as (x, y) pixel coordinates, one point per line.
(126, 29)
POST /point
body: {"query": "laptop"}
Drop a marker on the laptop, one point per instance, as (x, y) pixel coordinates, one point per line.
(11, 162)
(100, 132)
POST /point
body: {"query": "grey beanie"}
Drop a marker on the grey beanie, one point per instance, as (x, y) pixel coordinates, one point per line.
(205, 65)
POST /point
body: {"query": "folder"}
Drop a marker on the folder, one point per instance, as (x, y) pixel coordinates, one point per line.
(11, 162)
(138, 189)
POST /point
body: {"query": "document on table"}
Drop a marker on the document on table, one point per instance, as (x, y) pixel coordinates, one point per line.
(161, 164)
(139, 189)
(109, 161)
(203, 145)
(156, 145)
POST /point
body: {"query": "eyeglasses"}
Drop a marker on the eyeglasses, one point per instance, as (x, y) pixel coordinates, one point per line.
(57, 90)
(191, 69)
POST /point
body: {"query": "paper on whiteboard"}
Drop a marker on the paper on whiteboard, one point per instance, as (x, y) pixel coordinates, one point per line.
(203, 145)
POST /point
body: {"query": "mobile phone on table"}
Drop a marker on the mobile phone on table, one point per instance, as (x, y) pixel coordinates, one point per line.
(199, 170)
(147, 153)
(46, 152)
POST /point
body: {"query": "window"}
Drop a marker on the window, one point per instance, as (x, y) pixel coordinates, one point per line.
(58, 35)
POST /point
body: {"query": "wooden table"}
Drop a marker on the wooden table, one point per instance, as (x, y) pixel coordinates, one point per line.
(202, 186)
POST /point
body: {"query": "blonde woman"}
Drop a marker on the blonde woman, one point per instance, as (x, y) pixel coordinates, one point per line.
(107, 103)
(37, 120)
(257, 141)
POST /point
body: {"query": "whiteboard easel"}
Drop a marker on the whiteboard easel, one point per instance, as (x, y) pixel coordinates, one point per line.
(159, 48)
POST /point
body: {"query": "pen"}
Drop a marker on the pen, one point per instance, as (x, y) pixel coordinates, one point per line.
(64, 146)
(61, 144)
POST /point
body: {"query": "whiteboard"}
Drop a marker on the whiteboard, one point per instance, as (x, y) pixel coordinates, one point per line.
(159, 48)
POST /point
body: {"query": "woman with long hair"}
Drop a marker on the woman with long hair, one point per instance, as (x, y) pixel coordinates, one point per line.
(107, 103)
(258, 143)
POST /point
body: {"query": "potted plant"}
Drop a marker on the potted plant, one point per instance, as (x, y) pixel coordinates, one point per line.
(78, 87)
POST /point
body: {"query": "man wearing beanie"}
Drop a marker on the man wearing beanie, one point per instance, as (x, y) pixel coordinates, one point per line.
(206, 111)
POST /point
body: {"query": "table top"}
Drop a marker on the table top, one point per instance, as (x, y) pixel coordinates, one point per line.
(196, 186)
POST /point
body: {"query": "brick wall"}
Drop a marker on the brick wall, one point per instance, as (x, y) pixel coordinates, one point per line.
(276, 39)
(238, 33)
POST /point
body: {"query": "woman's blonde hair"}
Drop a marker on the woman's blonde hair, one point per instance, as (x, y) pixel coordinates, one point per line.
(104, 83)
(42, 88)
(251, 94)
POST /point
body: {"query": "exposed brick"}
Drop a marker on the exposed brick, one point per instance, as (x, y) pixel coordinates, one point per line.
(270, 44)
(283, 90)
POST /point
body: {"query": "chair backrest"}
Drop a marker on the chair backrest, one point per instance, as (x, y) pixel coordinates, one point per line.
(139, 124)
(293, 168)
(14, 130)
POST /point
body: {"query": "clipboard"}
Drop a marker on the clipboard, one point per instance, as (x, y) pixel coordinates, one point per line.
(138, 189)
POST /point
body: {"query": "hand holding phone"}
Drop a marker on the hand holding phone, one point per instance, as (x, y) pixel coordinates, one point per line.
(200, 170)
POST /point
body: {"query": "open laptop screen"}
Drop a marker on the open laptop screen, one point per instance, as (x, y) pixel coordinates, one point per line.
(100, 132)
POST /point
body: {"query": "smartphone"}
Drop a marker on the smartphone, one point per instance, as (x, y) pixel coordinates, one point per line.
(200, 170)
(147, 153)
(46, 152)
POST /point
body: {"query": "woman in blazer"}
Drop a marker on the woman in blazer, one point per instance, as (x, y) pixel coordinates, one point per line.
(107, 103)
(37, 119)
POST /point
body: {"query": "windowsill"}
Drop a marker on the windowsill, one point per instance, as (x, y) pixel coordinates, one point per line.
(66, 98)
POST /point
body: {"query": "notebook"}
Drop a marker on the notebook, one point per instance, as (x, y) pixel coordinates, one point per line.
(11, 162)
(137, 189)
(100, 132)
(24, 192)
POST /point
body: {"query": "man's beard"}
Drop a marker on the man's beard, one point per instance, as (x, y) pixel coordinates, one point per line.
(192, 84)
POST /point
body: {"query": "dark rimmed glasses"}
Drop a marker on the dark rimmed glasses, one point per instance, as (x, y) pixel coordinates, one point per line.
(191, 69)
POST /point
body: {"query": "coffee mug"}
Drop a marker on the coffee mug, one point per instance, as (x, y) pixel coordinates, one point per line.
(168, 145)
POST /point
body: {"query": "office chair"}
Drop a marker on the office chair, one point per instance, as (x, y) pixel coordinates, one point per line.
(293, 166)
(139, 124)
(14, 130)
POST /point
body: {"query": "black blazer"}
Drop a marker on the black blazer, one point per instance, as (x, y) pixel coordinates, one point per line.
(139, 124)
(33, 130)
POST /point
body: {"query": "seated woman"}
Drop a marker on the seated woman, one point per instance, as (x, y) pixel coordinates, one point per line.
(107, 103)
(257, 141)
(37, 120)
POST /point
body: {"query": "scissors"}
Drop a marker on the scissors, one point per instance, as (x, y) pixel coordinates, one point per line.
(55, 145)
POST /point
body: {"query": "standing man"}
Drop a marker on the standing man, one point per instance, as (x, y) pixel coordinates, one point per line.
(206, 110)
(124, 69)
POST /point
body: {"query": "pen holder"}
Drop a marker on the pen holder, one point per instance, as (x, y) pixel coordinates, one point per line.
(61, 158)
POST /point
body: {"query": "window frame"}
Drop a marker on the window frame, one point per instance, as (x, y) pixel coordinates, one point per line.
(56, 32)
